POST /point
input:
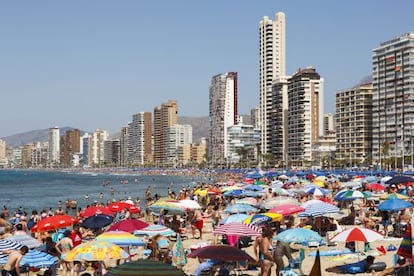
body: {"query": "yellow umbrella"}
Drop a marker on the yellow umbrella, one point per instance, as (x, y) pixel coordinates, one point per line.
(394, 195)
(262, 218)
(96, 251)
(320, 183)
(201, 192)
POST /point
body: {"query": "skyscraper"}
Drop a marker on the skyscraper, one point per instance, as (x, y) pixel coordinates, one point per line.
(305, 100)
(272, 65)
(140, 138)
(165, 116)
(223, 114)
(54, 146)
(393, 101)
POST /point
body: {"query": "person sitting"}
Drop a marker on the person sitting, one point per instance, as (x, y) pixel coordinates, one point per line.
(403, 267)
(160, 247)
(12, 266)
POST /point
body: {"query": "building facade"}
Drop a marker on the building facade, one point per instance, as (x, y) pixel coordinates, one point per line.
(222, 114)
(69, 147)
(176, 135)
(305, 101)
(354, 125)
(54, 146)
(393, 102)
(242, 142)
(98, 147)
(140, 139)
(165, 116)
(272, 65)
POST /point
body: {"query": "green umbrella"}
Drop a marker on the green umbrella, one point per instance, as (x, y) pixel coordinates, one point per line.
(145, 267)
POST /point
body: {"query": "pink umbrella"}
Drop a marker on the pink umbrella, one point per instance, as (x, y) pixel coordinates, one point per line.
(238, 229)
(128, 225)
(287, 209)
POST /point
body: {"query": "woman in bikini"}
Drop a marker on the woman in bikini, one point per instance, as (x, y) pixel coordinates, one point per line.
(263, 251)
(63, 247)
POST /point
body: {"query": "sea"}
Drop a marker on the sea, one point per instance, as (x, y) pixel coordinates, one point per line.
(43, 189)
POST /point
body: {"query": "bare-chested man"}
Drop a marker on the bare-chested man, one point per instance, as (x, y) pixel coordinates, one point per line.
(12, 267)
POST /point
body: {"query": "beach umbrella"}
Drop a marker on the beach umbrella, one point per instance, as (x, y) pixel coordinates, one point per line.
(247, 200)
(172, 206)
(317, 191)
(120, 238)
(350, 195)
(145, 267)
(221, 253)
(27, 240)
(8, 245)
(179, 257)
(400, 179)
(352, 184)
(280, 191)
(53, 223)
(375, 187)
(310, 202)
(287, 209)
(319, 209)
(238, 229)
(122, 205)
(234, 193)
(261, 218)
(234, 218)
(394, 195)
(394, 204)
(96, 251)
(189, 204)
(406, 248)
(273, 202)
(252, 187)
(97, 221)
(357, 234)
(240, 208)
(299, 235)
(36, 259)
(95, 210)
(153, 230)
(128, 225)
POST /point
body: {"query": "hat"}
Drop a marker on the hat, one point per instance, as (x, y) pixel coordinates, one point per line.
(393, 186)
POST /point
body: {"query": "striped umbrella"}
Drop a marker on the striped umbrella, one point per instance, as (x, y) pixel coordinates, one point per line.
(173, 207)
(238, 229)
(153, 230)
(350, 195)
(27, 240)
(319, 209)
(221, 253)
(120, 238)
(317, 191)
(8, 245)
(35, 258)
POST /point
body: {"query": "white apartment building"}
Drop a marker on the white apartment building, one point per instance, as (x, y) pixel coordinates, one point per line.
(305, 100)
(393, 102)
(176, 135)
(272, 65)
(54, 146)
(222, 113)
(3, 156)
(97, 147)
(242, 141)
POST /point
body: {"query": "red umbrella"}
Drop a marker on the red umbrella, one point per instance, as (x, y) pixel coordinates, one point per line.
(221, 253)
(128, 225)
(358, 234)
(96, 210)
(287, 209)
(53, 223)
(122, 205)
(375, 187)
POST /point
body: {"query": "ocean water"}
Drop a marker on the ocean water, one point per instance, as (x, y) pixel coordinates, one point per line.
(37, 190)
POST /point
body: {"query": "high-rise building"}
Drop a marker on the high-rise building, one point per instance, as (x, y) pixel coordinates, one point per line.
(3, 157)
(272, 65)
(328, 124)
(305, 100)
(97, 147)
(69, 147)
(165, 116)
(176, 135)
(393, 102)
(140, 139)
(124, 144)
(112, 152)
(242, 141)
(353, 125)
(223, 114)
(54, 146)
(86, 150)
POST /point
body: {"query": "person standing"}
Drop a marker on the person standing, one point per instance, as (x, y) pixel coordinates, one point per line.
(263, 251)
(63, 247)
(12, 266)
(281, 249)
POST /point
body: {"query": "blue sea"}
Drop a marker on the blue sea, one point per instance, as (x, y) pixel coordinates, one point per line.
(37, 190)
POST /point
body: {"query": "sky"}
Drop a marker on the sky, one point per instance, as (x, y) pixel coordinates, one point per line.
(93, 64)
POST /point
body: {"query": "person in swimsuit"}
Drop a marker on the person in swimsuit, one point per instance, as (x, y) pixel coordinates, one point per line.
(63, 247)
(263, 251)
(12, 267)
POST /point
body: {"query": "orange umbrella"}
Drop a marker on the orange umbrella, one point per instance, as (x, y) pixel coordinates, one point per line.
(53, 223)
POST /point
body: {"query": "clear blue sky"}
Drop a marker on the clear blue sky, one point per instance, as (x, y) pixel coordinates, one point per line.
(92, 64)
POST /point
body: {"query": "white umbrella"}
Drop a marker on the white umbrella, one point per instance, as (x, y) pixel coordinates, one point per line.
(358, 234)
(189, 204)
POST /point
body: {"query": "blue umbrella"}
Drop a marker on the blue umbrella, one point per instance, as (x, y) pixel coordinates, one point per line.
(38, 259)
(240, 208)
(394, 204)
(27, 240)
(8, 245)
(234, 218)
(319, 209)
(233, 193)
(252, 187)
(299, 235)
(97, 221)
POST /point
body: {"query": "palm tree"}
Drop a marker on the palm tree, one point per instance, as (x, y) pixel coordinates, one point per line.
(242, 153)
